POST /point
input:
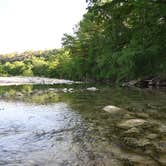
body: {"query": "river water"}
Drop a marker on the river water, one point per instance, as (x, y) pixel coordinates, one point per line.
(65, 125)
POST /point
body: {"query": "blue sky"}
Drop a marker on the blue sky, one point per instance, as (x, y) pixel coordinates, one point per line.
(37, 24)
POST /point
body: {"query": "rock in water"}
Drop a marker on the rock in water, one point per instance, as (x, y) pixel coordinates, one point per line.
(65, 90)
(132, 123)
(92, 89)
(136, 142)
(70, 90)
(112, 109)
(132, 131)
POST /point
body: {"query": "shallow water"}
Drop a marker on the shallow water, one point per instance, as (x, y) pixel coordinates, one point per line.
(57, 125)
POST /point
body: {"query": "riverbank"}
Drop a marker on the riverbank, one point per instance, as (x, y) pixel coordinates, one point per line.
(147, 82)
(20, 80)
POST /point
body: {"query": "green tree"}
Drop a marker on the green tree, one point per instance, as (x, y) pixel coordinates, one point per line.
(40, 66)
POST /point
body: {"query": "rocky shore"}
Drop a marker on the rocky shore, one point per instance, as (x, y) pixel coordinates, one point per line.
(146, 82)
(18, 80)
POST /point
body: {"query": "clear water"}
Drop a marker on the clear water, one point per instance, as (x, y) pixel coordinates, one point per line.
(53, 125)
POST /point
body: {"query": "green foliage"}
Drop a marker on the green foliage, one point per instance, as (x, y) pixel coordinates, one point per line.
(16, 68)
(27, 72)
(119, 40)
(2, 71)
(39, 66)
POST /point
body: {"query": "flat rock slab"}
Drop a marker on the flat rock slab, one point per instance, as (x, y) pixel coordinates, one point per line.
(18, 80)
(132, 123)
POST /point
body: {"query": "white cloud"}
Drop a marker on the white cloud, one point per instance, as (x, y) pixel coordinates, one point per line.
(37, 24)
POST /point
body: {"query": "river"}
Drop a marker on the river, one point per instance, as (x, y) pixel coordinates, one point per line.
(65, 125)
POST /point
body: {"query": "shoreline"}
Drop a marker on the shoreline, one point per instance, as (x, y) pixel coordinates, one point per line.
(21, 80)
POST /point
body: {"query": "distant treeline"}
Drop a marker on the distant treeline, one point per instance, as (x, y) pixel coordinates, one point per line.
(12, 57)
(49, 63)
(116, 40)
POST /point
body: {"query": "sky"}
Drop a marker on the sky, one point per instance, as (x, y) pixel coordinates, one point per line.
(37, 24)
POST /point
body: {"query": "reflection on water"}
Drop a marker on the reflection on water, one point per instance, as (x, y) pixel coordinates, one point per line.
(53, 125)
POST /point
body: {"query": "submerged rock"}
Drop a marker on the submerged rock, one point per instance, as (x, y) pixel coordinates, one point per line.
(128, 116)
(132, 123)
(112, 109)
(129, 158)
(152, 136)
(161, 146)
(133, 131)
(142, 115)
(162, 129)
(136, 142)
(162, 159)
